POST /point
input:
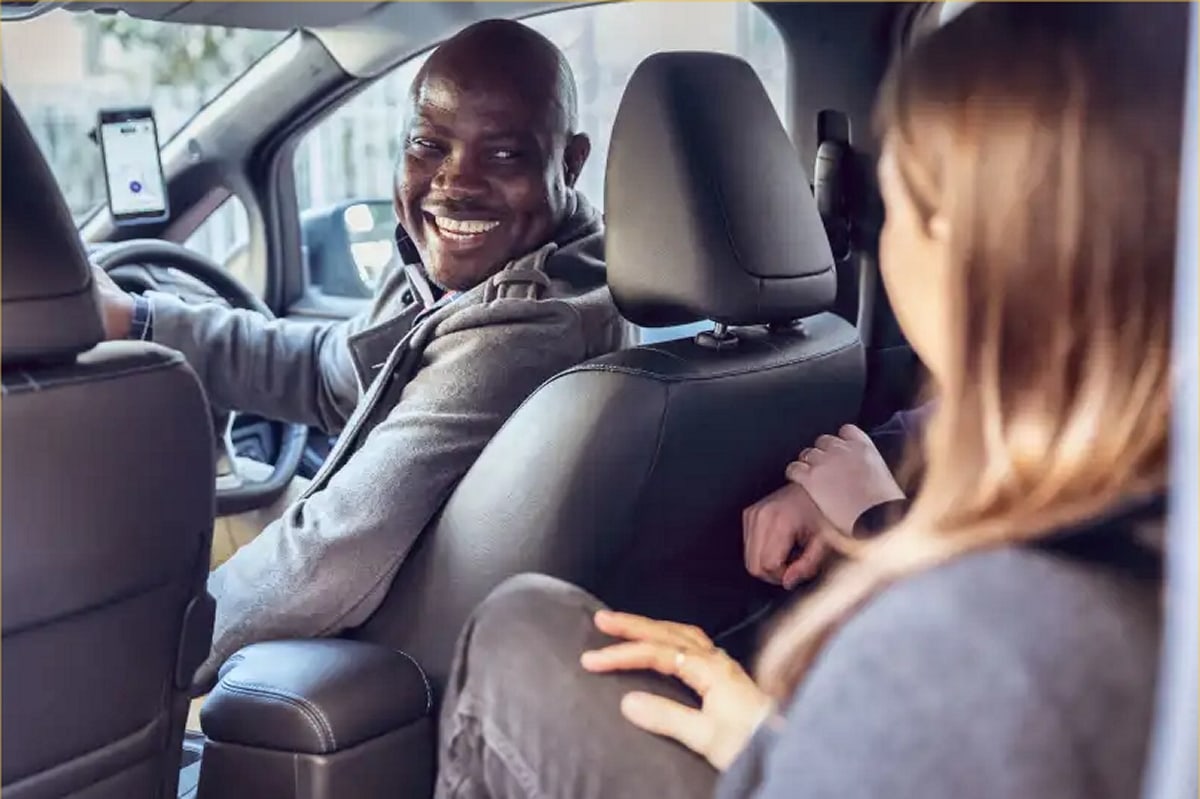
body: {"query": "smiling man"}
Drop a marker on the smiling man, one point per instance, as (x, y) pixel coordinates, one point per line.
(491, 153)
(502, 285)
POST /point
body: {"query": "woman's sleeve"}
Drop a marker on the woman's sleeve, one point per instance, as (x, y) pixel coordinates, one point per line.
(876, 519)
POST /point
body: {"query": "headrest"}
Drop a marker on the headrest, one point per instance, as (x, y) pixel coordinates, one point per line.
(49, 310)
(709, 212)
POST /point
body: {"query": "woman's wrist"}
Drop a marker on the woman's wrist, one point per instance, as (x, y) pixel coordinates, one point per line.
(768, 722)
(879, 517)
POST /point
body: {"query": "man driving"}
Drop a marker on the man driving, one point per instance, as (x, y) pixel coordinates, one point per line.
(502, 286)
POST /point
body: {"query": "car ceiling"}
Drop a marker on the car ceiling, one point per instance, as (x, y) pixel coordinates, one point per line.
(365, 38)
(390, 16)
(264, 15)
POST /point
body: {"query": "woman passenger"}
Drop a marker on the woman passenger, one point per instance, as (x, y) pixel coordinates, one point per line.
(1001, 639)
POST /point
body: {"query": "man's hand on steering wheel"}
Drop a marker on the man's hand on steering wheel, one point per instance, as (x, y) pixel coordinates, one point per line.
(116, 304)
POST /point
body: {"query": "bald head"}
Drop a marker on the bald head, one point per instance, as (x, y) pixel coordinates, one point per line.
(491, 151)
(501, 48)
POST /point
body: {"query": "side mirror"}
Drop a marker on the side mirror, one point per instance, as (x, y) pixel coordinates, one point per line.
(370, 229)
(350, 246)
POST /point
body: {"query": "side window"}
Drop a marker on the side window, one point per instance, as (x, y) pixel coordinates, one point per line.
(605, 43)
(344, 168)
(225, 238)
(345, 165)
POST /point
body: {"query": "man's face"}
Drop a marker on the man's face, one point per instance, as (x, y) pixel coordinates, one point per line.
(483, 178)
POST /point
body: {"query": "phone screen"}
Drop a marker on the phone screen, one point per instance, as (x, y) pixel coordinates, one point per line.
(132, 169)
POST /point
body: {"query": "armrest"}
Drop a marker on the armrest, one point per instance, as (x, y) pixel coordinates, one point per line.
(314, 697)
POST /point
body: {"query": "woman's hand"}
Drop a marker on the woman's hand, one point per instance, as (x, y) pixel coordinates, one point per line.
(845, 475)
(732, 705)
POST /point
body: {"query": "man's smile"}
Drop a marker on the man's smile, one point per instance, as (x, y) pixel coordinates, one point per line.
(457, 233)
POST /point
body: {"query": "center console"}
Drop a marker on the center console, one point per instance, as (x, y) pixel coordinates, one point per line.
(318, 719)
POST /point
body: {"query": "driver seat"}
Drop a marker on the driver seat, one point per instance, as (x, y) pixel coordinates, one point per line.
(107, 513)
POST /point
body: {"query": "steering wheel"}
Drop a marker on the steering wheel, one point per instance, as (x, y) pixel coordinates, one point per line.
(235, 494)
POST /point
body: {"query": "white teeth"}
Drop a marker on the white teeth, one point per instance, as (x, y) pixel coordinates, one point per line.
(469, 227)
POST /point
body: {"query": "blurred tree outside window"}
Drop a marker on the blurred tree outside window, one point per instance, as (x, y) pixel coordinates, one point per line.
(63, 67)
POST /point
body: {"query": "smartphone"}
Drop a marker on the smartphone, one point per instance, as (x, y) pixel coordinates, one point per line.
(133, 173)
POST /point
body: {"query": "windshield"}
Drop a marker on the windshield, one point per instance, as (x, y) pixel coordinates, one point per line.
(63, 67)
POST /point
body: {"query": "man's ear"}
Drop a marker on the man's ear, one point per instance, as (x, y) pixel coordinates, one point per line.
(397, 175)
(579, 147)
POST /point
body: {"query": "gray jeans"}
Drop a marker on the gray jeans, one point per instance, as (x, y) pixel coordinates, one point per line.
(522, 719)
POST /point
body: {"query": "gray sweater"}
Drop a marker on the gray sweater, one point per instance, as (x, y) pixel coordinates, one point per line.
(415, 391)
(1013, 673)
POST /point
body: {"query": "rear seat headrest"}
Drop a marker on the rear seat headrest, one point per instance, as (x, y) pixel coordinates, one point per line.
(49, 309)
(709, 212)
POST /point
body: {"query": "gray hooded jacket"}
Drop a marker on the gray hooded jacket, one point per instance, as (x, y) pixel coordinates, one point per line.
(415, 390)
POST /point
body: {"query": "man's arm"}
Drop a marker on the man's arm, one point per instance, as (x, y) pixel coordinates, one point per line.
(291, 371)
(788, 521)
(327, 563)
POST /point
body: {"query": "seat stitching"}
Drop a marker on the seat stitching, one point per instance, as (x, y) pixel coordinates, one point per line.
(86, 288)
(100, 604)
(629, 370)
(316, 719)
(640, 494)
(424, 679)
(657, 349)
(99, 377)
(103, 753)
(231, 662)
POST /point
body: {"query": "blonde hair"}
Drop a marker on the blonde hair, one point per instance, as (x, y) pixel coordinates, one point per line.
(1047, 137)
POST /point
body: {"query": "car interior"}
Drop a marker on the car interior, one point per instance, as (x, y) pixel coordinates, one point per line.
(742, 220)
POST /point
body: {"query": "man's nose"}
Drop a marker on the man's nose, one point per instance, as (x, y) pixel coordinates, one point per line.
(460, 177)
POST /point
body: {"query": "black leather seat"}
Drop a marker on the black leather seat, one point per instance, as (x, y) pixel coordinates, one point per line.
(628, 475)
(107, 511)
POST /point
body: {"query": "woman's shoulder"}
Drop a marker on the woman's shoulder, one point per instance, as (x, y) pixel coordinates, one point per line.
(1017, 671)
(1048, 613)
(992, 582)
(1097, 582)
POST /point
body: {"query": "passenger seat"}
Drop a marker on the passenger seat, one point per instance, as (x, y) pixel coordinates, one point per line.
(628, 475)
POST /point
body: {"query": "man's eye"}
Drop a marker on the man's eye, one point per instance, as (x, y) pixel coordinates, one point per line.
(506, 155)
(421, 143)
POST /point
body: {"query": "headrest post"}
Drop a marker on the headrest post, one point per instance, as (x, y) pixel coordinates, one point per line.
(719, 338)
(794, 326)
